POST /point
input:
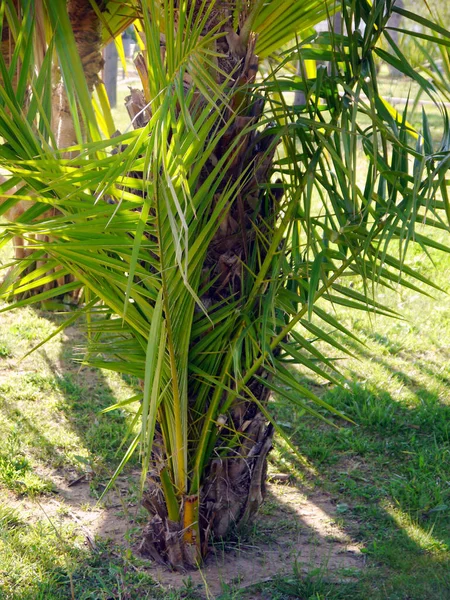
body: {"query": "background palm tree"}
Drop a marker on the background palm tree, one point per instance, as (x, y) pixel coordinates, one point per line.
(213, 238)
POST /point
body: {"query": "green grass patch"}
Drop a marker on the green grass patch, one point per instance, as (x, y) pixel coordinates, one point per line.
(391, 469)
(49, 560)
(50, 408)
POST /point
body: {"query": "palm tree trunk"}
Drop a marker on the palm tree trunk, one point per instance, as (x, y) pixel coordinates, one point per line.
(86, 29)
(7, 50)
(85, 25)
(233, 486)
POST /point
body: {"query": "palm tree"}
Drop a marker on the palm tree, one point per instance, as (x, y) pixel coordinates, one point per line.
(85, 24)
(213, 239)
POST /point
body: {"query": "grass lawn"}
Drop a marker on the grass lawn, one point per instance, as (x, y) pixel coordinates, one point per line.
(389, 473)
(365, 513)
(386, 479)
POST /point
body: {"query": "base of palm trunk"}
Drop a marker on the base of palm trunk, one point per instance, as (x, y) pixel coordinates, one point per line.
(233, 490)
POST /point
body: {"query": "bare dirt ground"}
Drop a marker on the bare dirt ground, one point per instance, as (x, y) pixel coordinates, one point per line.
(294, 528)
(300, 529)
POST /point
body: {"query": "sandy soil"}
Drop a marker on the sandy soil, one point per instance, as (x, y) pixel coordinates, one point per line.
(295, 528)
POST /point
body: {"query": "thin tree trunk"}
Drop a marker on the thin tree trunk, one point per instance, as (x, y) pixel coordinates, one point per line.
(395, 21)
(110, 73)
(299, 95)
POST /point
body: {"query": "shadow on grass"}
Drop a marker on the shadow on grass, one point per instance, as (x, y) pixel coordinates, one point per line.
(51, 408)
(54, 406)
(388, 473)
(86, 392)
(383, 483)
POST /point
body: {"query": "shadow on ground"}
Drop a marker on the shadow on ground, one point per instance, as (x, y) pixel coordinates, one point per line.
(364, 500)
